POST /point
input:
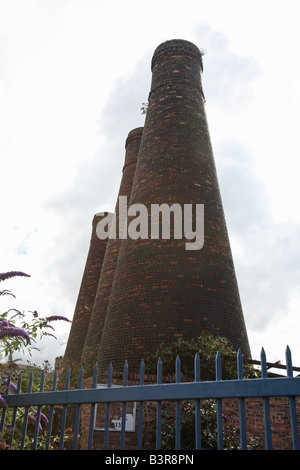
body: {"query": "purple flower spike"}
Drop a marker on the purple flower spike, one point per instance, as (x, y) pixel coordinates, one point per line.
(3, 402)
(12, 331)
(11, 385)
(44, 418)
(57, 317)
(4, 276)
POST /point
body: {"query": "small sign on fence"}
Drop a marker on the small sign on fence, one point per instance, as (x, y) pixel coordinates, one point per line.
(115, 418)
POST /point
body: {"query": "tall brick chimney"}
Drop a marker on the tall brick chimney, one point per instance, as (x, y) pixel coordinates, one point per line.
(160, 288)
(86, 296)
(93, 337)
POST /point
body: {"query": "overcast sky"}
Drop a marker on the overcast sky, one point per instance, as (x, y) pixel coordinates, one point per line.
(73, 77)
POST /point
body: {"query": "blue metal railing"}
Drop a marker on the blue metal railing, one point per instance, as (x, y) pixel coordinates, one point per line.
(218, 390)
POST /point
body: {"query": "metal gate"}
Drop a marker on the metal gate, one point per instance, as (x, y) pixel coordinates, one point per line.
(196, 391)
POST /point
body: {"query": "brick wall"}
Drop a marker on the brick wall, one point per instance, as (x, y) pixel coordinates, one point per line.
(279, 415)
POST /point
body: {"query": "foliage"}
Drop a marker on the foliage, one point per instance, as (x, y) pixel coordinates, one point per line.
(15, 432)
(207, 346)
(209, 439)
(17, 334)
(144, 108)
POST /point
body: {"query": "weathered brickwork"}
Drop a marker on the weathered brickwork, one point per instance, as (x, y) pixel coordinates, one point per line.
(86, 296)
(93, 337)
(279, 417)
(161, 289)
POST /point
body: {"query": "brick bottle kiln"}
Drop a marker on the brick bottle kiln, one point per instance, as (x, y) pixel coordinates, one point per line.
(86, 296)
(93, 337)
(160, 288)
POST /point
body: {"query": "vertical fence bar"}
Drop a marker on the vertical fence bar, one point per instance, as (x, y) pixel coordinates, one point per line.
(14, 416)
(2, 424)
(93, 408)
(64, 414)
(197, 405)
(38, 415)
(77, 414)
(219, 405)
(177, 427)
(292, 402)
(25, 421)
(141, 408)
(158, 414)
(123, 423)
(2, 420)
(107, 409)
(51, 413)
(243, 435)
(266, 404)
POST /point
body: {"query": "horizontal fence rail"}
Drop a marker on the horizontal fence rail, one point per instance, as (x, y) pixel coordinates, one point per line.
(196, 391)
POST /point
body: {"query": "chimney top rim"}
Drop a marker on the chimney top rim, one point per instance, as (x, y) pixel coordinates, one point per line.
(134, 133)
(102, 214)
(176, 45)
